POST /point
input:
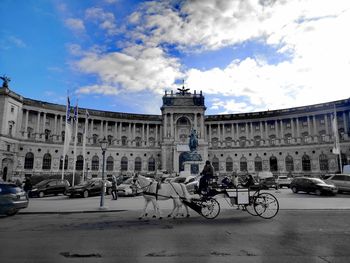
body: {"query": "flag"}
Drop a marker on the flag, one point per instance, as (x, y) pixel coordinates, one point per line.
(68, 130)
(336, 147)
(76, 120)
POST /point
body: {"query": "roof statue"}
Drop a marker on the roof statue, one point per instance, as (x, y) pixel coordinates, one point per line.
(183, 91)
(6, 81)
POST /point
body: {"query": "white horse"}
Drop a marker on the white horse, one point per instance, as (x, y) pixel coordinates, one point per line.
(154, 191)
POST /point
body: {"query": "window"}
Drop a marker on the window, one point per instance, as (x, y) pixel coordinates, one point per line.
(110, 163)
(29, 161)
(79, 163)
(124, 140)
(257, 140)
(215, 164)
(65, 162)
(323, 162)
(215, 142)
(306, 164)
(110, 139)
(152, 141)
(228, 142)
(273, 164)
(80, 138)
(47, 135)
(12, 109)
(258, 164)
(95, 163)
(229, 164)
(138, 164)
(138, 142)
(289, 163)
(94, 138)
(124, 164)
(46, 162)
(243, 164)
(242, 141)
(63, 134)
(151, 164)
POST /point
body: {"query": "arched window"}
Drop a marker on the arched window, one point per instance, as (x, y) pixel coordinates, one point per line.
(65, 163)
(110, 163)
(138, 164)
(243, 166)
(258, 164)
(289, 163)
(151, 164)
(138, 142)
(63, 135)
(95, 163)
(306, 164)
(124, 140)
(29, 161)
(229, 164)
(272, 139)
(323, 162)
(47, 134)
(124, 164)
(30, 132)
(79, 163)
(257, 140)
(46, 161)
(273, 164)
(215, 163)
(288, 138)
(152, 141)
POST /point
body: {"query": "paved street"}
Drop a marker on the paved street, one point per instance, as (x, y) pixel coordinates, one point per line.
(308, 228)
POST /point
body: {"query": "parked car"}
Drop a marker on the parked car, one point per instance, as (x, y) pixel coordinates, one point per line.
(283, 181)
(50, 187)
(12, 199)
(341, 181)
(269, 182)
(312, 185)
(128, 189)
(89, 188)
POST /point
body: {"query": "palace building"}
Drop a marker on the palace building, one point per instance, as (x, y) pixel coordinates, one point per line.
(295, 141)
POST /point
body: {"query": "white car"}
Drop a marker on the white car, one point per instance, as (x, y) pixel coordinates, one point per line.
(128, 189)
(341, 181)
(283, 181)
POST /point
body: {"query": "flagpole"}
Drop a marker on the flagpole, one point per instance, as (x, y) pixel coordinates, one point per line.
(336, 139)
(76, 118)
(65, 135)
(84, 142)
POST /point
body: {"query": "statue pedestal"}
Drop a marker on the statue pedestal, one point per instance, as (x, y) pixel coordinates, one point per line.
(192, 168)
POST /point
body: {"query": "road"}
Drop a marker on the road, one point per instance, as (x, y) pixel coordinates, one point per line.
(235, 236)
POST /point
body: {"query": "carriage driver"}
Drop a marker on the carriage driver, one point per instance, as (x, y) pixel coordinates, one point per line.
(207, 174)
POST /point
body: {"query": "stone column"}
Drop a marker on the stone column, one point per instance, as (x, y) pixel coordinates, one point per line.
(44, 123)
(172, 125)
(261, 129)
(92, 128)
(165, 134)
(219, 133)
(266, 131)
(308, 125)
(282, 130)
(251, 131)
(134, 131)
(55, 125)
(120, 131)
(38, 123)
(156, 135)
(147, 134)
(101, 129)
(345, 125)
(115, 132)
(246, 131)
(326, 124)
(129, 135)
(195, 121)
(209, 133)
(223, 133)
(26, 124)
(276, 130)
(298, 129)
(202, 126)
(292, 127)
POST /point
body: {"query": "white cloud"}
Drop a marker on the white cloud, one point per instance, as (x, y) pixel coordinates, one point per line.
(98, 89)
(106, 20)
(75, 24)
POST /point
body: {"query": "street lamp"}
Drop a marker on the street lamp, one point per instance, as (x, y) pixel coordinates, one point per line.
(104, 145)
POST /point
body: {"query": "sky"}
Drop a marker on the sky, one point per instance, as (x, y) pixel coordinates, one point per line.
(122, 55)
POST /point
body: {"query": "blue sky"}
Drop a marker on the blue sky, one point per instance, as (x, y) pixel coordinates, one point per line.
(120, 55)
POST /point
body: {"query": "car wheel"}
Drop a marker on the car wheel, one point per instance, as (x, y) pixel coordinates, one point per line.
(11, 211)
(318, 192)
(294, 190)
(41, 194)
(85, 194)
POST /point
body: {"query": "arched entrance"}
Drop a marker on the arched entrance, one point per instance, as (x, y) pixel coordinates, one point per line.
(7, 168)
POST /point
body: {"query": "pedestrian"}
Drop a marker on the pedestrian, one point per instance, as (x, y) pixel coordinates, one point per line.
(235, 180)
(114, 188)
(18, 183)
(27, 185)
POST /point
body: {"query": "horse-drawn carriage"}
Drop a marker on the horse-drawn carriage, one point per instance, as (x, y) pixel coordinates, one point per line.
(250, 199)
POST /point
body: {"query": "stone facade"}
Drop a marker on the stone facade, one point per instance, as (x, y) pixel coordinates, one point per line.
(295, 141)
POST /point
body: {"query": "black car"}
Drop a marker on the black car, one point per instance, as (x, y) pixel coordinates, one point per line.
(312, 185)
(50, 187)
(89, 188)
(12, 199)
(269, 182)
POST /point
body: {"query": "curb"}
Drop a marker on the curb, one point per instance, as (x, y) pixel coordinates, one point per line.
(70, 212)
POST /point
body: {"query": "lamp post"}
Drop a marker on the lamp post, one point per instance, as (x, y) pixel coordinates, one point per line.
(104, 145)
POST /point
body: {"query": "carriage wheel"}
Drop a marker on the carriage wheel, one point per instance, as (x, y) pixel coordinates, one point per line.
(266, 205)
(210, 208)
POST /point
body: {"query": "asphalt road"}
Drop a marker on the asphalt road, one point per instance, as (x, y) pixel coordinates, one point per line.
(235, 236)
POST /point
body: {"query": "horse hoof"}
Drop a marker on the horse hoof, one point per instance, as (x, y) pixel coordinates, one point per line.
(154, 216)
(188, 216)
(160, 218)
(140, 218)
(169, 215)
(146, 214)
